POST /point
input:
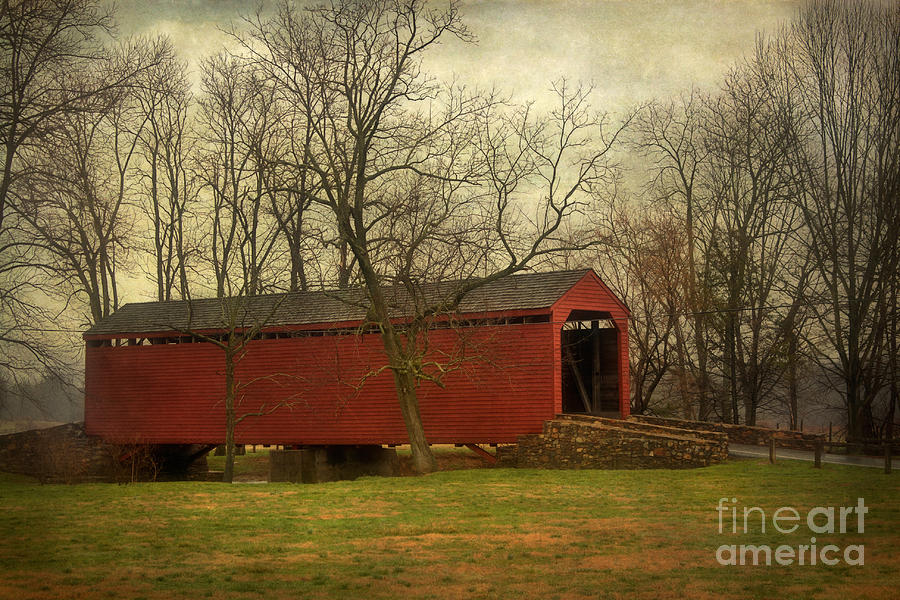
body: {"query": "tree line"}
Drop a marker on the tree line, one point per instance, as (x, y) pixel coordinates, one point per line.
(318, 153)
(762, 255)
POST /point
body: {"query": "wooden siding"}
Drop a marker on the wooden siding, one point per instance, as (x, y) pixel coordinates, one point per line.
(624, 368)
(173, 393)
(591, 294)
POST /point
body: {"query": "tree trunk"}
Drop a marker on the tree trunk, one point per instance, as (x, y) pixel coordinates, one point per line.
(693, 307)
(894, 388)
(404, 378)
(704, 408)
(686, 400)
(343, 267)
(637, 385)
(731, 344)
(792, 380)
(422, 456)
(405, 382)
(854, 406)
(750, 404)
(892, 413)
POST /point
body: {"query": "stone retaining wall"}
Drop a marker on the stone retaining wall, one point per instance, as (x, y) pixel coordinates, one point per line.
(57, 454)
(66, 454)
(740, 434)
(635, 425)
(598, 443)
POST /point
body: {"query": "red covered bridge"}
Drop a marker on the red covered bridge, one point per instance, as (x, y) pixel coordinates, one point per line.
(524, 348)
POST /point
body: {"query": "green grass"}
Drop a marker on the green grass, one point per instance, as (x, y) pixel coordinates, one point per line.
(485, 533)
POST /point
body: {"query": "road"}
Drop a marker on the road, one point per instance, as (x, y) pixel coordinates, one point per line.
(747, 451)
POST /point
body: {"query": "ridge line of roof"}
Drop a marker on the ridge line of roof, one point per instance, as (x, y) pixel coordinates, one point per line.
(345, 290)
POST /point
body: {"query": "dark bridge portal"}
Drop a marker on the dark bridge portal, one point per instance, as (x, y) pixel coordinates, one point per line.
(590, 368)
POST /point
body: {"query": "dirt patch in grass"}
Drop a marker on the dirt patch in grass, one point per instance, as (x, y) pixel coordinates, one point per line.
(447, 458)
(664, 590)
(861, 590)
(544, 542)
(416, 549)
(323, 516)
(603, 525)
(414, 542)
(450, 582)
(269, 493)
(52, 586)
(268, 564)
(444, 463)
(648, 561)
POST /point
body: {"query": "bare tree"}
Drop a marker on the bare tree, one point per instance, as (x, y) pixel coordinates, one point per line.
(399, 161)
(750, 190)
(297, 225)
(239, 118)
(43, 46)
(237, 327)
(164, 98)
(845, 58)
(669, 133)
(644, 262)
(74, 203)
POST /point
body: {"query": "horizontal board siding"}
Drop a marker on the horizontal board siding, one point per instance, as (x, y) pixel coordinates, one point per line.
(590, 293)
(501, 387)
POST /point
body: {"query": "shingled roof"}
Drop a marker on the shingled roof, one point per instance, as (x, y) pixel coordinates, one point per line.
(516, 292)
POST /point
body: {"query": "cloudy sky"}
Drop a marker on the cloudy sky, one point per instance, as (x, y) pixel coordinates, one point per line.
(631, 50)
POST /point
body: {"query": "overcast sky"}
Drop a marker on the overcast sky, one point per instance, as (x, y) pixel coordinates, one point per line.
(631, 50)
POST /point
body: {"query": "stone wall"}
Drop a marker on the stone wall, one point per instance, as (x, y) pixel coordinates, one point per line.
(66, 454)
(57, 454)
(741, 434)
(598, 443)
(636, 425)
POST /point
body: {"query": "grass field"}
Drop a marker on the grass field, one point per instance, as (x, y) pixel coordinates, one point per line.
(474, 533)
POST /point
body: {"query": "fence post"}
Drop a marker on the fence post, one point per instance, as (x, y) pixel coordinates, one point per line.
(772, 450)
(887, 458)
(829, 431)
(818, 462)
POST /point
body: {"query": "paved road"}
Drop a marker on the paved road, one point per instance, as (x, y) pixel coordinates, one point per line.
(743, 450)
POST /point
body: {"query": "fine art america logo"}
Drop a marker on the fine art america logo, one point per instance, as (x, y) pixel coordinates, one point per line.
(819, 520)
